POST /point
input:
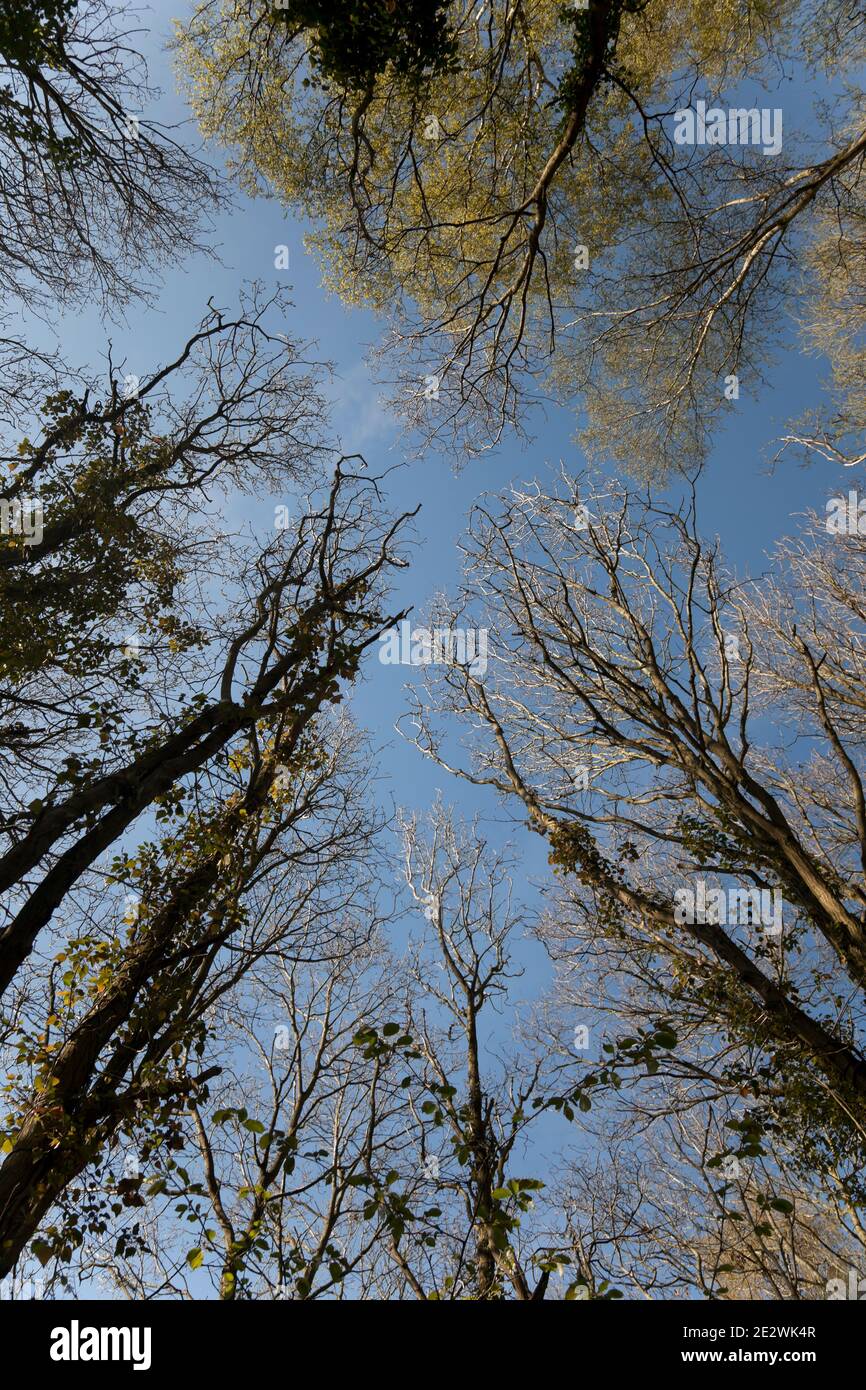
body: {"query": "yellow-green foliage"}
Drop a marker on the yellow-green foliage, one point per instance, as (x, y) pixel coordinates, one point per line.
(424, 202)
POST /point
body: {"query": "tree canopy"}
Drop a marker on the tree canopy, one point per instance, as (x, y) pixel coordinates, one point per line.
(266, 1033)
(527, 220)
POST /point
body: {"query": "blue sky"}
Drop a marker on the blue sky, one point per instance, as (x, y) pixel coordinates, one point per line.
(739, 500)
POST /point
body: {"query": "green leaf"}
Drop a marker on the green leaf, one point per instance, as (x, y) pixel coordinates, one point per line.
(42, 1250)
(195, 1258)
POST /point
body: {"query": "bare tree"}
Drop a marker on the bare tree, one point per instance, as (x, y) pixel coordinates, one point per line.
(288, 1202)
(691, 1181)
(109, 496)
(197, 737)
(93, 188)
(659, 1221)
(118, 491)
(690, 746)
(123, 1045)
(472, 1223)
(250, 1186)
